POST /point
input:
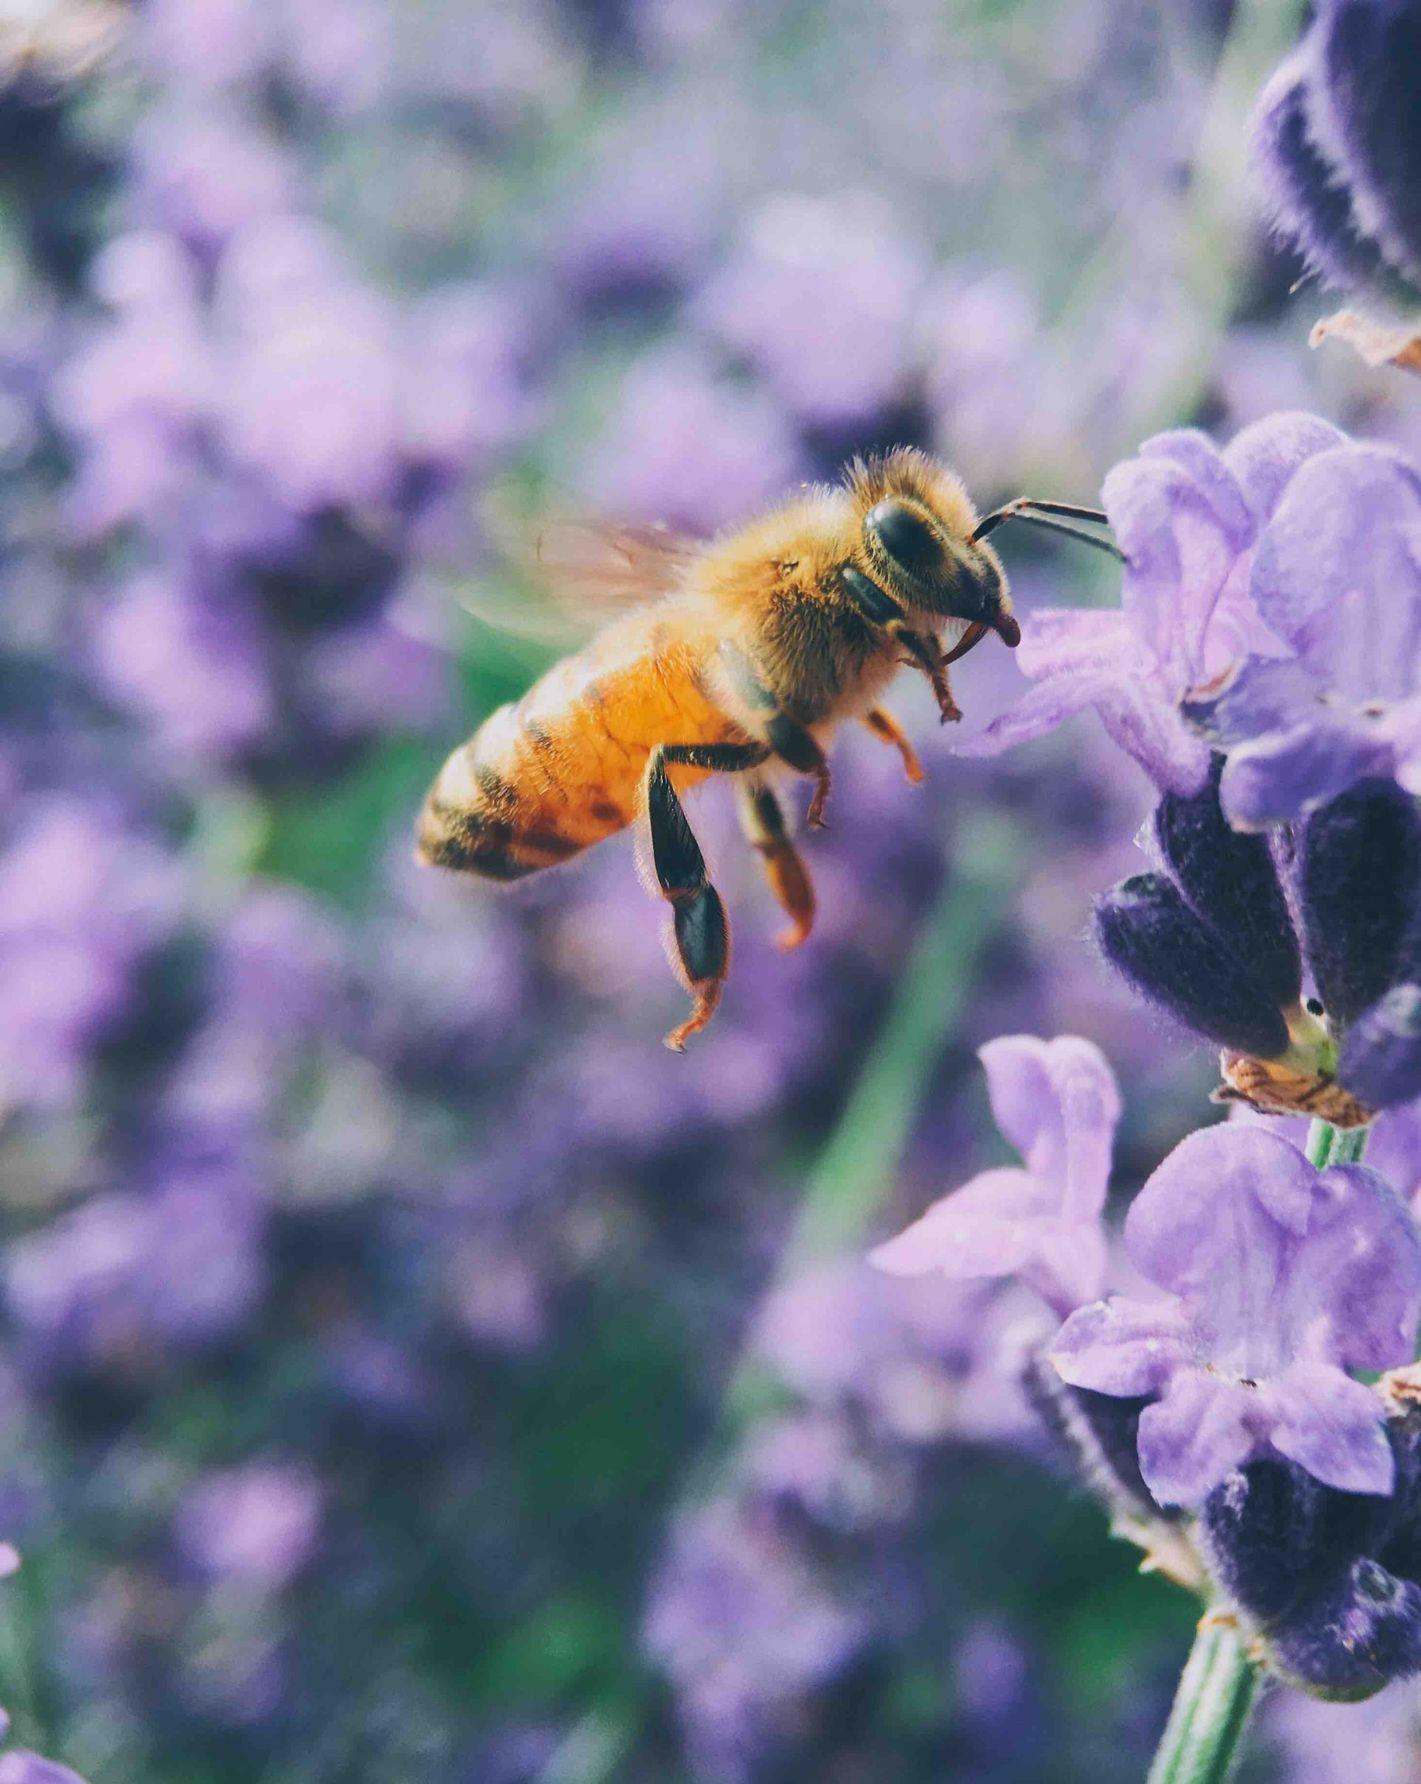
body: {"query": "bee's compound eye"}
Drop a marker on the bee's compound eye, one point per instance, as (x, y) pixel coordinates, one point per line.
(906, 538)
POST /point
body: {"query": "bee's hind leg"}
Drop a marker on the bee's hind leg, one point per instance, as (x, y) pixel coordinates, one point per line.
(700, 931)
(764, 825)
(884, 725)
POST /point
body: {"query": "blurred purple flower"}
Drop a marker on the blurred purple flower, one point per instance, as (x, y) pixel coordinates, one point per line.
(919, 1363)
(821, 300)
(191, 661)
(205, 173)
(689, 446)
(308, 393)
(1188, 518)
(745, 1629)
(19, 1767)
(126, 1279)
(254, 1525)
(1058, 1104)
(82, 902)
(467, 390)
(1280, 1278)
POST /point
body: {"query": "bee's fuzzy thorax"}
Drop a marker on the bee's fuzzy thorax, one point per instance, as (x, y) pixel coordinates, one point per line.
(905, 471)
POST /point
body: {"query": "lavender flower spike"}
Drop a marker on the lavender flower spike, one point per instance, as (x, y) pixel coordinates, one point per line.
(1187, 517)
(1057, 1102)
(1280, 1278)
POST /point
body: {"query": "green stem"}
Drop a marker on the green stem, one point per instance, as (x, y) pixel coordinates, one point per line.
(1328, 1145)
(1211, 1709)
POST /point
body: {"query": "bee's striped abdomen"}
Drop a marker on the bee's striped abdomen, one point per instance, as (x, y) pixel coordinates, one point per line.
(560, 769)
(489, 813)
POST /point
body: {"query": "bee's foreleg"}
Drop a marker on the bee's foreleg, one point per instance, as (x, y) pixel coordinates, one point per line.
(700, 931)
(764, 825)
(784, 736)
(879, 608)
(884, 725)
(923, 653)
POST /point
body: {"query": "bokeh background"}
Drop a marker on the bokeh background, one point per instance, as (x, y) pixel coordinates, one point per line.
(411, 1371)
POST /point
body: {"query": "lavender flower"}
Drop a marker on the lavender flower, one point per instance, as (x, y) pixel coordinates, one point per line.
(1057, 1103)
(1271, 608)
(254, 1526)
(1188, 518)
(1279, 1279)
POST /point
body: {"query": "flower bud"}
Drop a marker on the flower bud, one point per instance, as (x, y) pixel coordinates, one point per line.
(1300, 189)
(1259, 1531)
(1150, 935)
(1380, 1061)
(1350, 1636)
(1358, 877)
(1270, 1528)
(1100, 1433)
(1367, 118)
(1228, 877)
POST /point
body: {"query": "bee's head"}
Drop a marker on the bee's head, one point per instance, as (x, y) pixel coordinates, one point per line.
(933, 569)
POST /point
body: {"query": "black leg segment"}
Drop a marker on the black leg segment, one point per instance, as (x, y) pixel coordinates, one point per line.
(700, 932)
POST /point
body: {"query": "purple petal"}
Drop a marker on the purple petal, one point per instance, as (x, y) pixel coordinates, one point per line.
(1069, 1264)
(1337, 574)
(1259, 695)
(1040, 710)
(1058, 1104)
(1264, 456)
(986, 1228)
(1286, 774)
(1122, 1346)
(1380, 1059)
(1182, 522)
(1199, 1432)
(1073, 641)
(1352, 1290)
(1213, 1219)
(1147, 725)
(1332, 1426)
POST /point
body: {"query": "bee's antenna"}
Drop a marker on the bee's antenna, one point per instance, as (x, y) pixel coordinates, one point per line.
(1049, 515)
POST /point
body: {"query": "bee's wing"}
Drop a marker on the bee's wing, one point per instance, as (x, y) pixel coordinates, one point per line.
(597, 569)
(590, 572)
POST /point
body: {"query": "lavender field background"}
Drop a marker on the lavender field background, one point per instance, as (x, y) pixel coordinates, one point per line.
(410, 1370)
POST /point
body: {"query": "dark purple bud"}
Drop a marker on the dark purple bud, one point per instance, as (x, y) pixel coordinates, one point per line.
(1357, 881)
(1304, 198)
(1230, 880)
(1149, 934)
(1367, 116)
(1400, 1552)
(1260, 1531)
(1101, 1435)
(1380, 1061)
(1351, 1635)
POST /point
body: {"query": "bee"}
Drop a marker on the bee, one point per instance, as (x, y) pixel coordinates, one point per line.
(737, 656)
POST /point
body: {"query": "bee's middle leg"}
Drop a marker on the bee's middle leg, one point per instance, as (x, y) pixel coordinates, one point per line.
(764, 824)
(784, 736)
(700, 930)
(884, 725)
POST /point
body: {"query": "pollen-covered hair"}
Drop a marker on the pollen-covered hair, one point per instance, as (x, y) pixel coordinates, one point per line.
(905, 471)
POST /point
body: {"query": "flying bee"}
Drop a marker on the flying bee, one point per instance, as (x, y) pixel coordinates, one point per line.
(740, 656)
